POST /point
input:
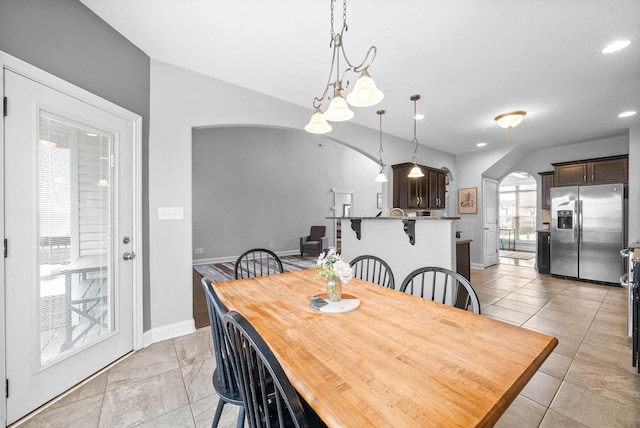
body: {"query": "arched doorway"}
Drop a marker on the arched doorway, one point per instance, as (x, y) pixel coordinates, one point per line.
(517, 219)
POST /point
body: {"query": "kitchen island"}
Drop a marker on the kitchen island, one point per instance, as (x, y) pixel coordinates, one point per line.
(405, 243)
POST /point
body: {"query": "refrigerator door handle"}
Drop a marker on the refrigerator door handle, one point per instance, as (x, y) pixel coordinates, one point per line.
(580, 242)
(576, 229)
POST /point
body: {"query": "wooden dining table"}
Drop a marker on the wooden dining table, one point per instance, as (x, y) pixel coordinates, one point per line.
(397, 360)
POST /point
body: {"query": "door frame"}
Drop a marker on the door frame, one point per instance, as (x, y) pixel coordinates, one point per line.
(8, 62)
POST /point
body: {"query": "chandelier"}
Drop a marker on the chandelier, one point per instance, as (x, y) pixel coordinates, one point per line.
(381, 178)
(364, 94)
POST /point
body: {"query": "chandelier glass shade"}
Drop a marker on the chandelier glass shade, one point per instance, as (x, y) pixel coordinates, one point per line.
(338, 110)
(318, 124)
(381, 178)
(511, 119)
(415, 172)
(365, 93)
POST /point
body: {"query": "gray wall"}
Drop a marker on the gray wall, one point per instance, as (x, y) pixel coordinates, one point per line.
(69, 41)
(254, 186)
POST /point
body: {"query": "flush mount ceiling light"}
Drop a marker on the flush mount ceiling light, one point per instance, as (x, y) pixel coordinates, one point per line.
(381, 178)
(616, 46)
(511, 119)
(415, 171)
(364, 94)
(481, 144)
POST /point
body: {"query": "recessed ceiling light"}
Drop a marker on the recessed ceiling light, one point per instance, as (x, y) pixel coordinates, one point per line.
(616, 46)
(419, 116)
(627, 114)
(481, 144)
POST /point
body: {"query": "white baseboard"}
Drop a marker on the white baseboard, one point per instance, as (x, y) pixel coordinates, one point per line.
(477, 266)
(170, 331)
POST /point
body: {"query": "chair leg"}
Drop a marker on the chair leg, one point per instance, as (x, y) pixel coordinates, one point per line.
(241, 417)
(216, 419)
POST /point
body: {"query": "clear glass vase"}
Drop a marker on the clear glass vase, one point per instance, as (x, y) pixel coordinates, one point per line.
(334, 289)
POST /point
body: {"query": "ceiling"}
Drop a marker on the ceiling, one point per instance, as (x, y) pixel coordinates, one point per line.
(469, 60)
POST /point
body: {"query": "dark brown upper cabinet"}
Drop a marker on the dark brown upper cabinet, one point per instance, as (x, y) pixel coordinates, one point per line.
(421, 192)
(592, 171)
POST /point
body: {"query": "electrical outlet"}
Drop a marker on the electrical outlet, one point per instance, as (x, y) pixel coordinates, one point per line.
(199, 250)
(270, 244)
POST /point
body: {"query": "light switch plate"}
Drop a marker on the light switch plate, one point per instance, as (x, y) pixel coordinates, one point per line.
(170, 213)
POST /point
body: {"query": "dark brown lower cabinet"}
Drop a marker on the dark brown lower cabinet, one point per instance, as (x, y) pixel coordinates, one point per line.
(463, 258)
(544, 251)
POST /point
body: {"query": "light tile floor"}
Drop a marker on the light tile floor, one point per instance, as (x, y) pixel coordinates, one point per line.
(588, 380)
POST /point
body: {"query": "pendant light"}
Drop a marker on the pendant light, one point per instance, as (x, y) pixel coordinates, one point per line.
(381, 178)
(415, 172)
(365, 92)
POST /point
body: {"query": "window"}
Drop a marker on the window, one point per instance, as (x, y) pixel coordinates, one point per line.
(518, 206)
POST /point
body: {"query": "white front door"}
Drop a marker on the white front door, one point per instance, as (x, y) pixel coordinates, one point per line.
(68, 171)
(490, 220)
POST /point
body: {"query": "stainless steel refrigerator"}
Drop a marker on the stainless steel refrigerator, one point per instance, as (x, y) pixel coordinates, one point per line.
(588, 232)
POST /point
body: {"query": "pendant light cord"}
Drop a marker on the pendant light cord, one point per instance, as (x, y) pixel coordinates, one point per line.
(414, 159)
(380, 113)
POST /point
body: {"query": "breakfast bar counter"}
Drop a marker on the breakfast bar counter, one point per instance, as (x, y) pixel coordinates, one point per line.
(405, 243)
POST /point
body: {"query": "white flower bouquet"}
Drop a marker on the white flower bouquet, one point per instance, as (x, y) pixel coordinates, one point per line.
(332, 265)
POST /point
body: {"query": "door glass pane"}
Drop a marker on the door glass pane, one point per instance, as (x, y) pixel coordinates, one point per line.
(74, 198)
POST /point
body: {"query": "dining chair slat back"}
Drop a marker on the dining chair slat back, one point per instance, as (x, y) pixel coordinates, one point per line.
(442, 285)
(373, 269)
(257, 262)
(270, 399)
(224, 379)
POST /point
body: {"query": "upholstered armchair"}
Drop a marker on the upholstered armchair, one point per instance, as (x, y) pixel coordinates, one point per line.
(315, 242)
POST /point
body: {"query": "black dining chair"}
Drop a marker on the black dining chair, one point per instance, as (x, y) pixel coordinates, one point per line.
(224, 379)
(270, 399)
(442, 285)
(257, 262)
(373, 269)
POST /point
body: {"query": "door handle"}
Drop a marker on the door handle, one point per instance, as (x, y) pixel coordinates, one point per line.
(128, 256)
(580, 225)
(624, 281)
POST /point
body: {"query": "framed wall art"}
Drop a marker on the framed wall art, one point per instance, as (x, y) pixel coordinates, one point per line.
(468, 200)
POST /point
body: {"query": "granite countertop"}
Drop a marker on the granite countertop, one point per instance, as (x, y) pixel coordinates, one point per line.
(463, 241)
(635, 245)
